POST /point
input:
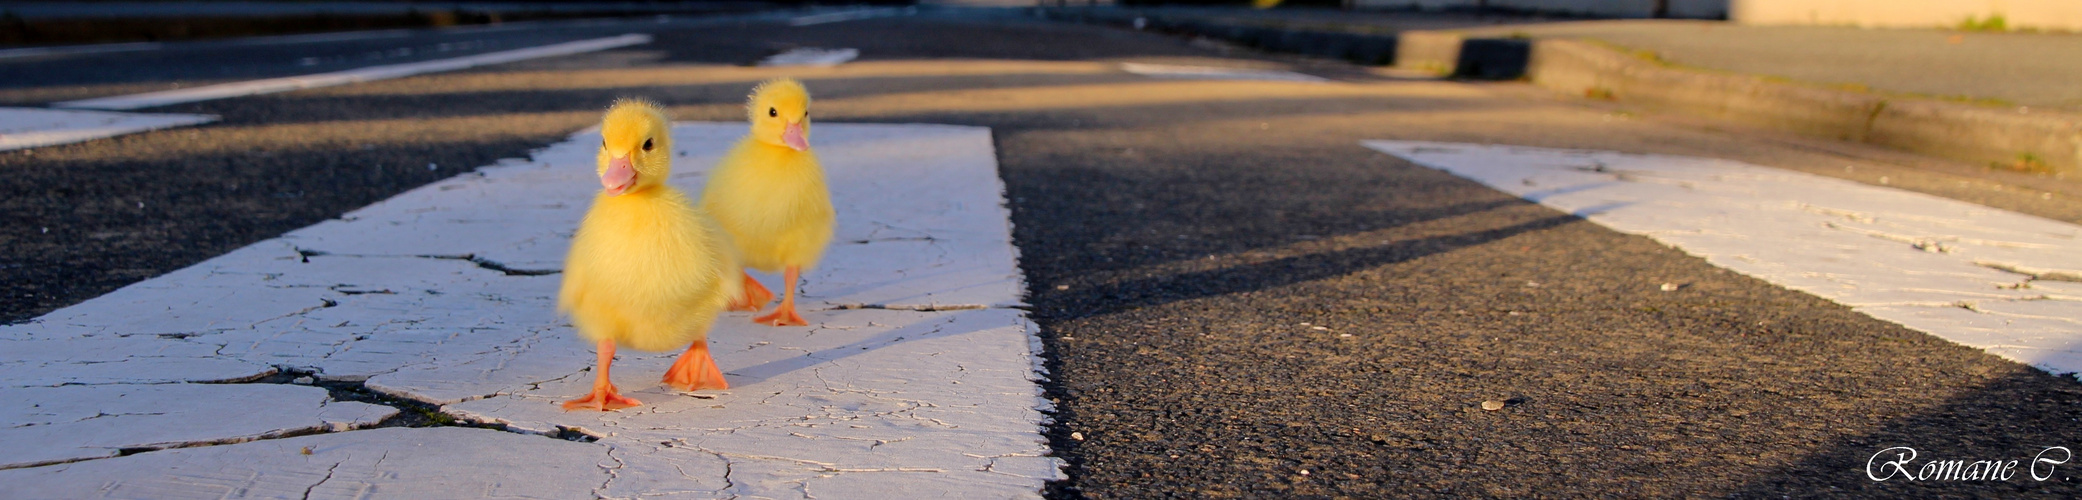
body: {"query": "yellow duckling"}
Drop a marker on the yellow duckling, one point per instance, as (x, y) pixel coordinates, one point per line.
(647, 269)
(769, 194)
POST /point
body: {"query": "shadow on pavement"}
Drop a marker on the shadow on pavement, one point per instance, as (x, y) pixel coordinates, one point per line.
(2014, 417)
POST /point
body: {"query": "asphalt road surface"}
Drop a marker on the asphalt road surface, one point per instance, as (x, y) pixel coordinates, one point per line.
(1237, 299)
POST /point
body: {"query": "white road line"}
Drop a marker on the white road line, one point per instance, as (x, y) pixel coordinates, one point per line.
(851, 15)
(1216, 73)
(79, 49)
(372, 73)
(921, 359)
(807, 56)
(22, 128)
(341, 36)
(1960, 271)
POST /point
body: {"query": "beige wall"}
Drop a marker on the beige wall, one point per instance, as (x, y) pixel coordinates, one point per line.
(2041, 14)
(1698, 9)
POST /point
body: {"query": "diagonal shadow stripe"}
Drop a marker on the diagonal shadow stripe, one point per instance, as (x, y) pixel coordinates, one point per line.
(1157, 290)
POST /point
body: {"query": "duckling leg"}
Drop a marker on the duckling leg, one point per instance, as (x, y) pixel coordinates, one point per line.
(785, 315)
(755, 296)
(695, 370)
(604, 396)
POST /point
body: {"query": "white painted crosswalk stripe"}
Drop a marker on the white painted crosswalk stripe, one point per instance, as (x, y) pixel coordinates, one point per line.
(916, 375)
(1982, 277)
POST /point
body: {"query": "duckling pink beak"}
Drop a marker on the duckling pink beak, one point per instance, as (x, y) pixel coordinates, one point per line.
(620, 175)
(792, 136)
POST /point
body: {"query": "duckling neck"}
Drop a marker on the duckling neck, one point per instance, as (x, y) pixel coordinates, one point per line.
(781, 150)
(642, 194)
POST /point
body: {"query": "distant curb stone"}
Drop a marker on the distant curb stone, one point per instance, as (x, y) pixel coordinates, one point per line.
(2021, 137)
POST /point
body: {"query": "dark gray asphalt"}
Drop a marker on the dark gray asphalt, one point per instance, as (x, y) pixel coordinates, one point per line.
(105, 9)
(1177, 237)
(38, 80)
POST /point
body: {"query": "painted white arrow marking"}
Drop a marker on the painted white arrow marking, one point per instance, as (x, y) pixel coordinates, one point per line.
(1982, 277)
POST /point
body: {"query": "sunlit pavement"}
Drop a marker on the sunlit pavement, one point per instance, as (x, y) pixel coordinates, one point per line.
(1233, 296)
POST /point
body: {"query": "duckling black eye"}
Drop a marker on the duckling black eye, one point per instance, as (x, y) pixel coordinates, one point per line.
(646, 144)
(773, 112)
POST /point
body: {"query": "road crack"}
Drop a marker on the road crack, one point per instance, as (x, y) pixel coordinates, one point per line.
(321, 482)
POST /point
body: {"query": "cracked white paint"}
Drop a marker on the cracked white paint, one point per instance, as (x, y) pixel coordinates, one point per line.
(1975, 275)
(916, 376)
(444, 462)
(46, 425)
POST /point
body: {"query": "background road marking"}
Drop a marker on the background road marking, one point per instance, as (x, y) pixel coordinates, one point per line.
(1216, 73)
(372, 73)
(808, 56)
(1975, 275)
(851, 15)
(78, 49)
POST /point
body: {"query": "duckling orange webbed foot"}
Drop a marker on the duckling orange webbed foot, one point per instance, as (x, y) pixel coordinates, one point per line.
(782, 316)
(604, 396)
(754, 298)
(695, 370)
(785, 315)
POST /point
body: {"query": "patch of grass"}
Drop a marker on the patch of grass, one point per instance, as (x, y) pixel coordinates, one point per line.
(1994, 22)
(1967, 99)
(2026, 162)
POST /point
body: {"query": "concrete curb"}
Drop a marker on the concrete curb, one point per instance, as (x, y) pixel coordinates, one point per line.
(1977, 134)
(1959, 131)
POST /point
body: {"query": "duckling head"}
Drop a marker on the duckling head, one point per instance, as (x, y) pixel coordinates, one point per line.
(780, 113)
(636, 146)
